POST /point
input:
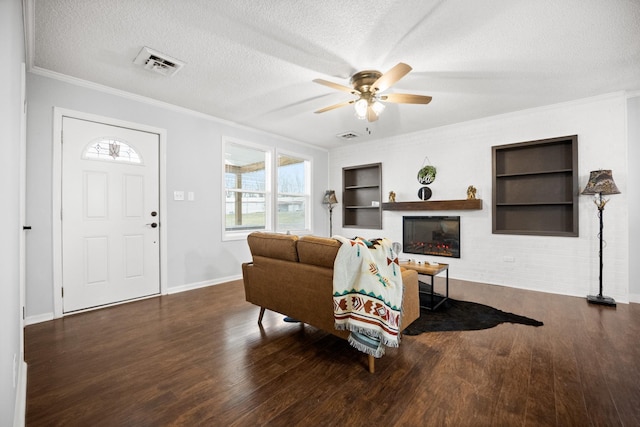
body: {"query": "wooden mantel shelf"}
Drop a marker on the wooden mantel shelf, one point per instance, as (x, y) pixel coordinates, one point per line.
(435, 205)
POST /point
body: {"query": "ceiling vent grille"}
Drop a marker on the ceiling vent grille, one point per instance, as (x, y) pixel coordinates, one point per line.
(157, 62)
(348, 135)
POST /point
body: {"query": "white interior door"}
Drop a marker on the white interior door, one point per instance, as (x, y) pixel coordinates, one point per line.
(110, 214)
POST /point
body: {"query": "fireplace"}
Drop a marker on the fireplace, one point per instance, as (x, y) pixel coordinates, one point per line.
(431, 235)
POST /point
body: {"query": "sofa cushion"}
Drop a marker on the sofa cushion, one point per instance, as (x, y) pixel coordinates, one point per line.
(320, 251)
(273, 245)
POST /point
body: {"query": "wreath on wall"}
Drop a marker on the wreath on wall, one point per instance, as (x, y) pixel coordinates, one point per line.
(427, 174)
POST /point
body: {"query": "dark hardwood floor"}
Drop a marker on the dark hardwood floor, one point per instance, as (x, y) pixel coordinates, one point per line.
(200, 358)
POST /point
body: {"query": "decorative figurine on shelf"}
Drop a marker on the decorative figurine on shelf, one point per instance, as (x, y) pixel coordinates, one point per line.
(392, 197)
(471, 192)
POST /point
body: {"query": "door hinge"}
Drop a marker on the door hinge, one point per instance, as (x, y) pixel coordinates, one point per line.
(24, 316)
(62, 291)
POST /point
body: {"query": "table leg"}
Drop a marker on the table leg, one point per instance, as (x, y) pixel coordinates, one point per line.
(432, 303)
(432, 292)
(447, 293)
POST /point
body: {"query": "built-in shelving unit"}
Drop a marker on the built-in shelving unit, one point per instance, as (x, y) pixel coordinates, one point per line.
(361, 195)
(435, 205)
(535, 187)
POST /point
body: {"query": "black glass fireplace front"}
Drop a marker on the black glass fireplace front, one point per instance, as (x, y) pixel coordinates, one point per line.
(431, 235)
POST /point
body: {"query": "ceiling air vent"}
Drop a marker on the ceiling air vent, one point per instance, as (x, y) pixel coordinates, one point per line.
(157, 62)
(348, 135)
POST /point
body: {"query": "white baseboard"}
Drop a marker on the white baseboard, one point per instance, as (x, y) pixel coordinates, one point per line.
(634, 298)
(173, 290)
(198, 285)
(20, 408)
(30, 320)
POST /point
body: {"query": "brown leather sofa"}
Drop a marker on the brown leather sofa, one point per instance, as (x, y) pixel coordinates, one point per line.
(294, 276)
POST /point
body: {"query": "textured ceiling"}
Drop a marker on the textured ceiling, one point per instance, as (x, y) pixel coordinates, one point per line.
(253, 62)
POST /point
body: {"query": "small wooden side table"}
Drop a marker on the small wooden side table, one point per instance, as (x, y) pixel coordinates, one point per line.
(431, 271)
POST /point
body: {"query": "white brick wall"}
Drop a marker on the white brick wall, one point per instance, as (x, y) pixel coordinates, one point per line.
(462, 154)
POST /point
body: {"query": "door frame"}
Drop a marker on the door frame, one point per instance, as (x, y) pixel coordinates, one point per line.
(58, 114)
(23, 204)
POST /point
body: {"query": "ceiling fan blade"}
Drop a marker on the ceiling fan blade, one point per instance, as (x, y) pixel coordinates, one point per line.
(405, 98)
(334, 106)
(337, 86)
(371, 115)
(389, 78)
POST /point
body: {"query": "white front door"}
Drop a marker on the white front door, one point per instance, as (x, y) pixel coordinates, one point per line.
(110, 214)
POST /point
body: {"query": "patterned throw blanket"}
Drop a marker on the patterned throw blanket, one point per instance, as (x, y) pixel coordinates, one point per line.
(367, 294)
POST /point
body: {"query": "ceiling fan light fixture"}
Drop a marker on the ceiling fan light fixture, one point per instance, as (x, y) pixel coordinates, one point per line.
(378, 107)
(364, 107)
(368, 85)
(361, 106)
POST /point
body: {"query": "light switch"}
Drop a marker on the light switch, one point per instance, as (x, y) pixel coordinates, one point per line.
(191, 196)
(178, 195)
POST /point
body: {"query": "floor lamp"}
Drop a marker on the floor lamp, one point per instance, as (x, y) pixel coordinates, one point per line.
(601, 184)
(330, 200)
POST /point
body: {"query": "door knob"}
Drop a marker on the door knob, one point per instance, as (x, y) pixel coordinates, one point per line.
(153, 225)
(154, 213)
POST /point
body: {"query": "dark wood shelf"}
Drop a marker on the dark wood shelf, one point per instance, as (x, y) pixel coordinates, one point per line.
(534, 203)
(358, 187)
(362, 185)
(536, 233)
(435, 205)
(535, 187)
(542, 172)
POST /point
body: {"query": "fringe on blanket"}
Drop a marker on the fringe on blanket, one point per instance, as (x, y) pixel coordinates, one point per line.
(362, 340)
(366, 344)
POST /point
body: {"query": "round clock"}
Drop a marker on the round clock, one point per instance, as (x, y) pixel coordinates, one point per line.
(424, 193)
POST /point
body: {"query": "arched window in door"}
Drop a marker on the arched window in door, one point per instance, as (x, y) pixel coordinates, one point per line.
(111, 149)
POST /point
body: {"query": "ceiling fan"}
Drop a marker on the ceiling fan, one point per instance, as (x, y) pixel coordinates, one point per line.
(368, 85)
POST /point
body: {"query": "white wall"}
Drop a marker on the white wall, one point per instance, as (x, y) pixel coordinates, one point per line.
(12, 54)
(633, 126)
(462, 154)
(196, 253)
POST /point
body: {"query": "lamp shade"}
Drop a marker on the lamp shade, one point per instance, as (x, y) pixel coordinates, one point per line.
(601, 182)
(329, 198)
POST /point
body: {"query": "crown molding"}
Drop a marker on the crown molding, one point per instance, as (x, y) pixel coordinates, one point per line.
(160, 104)
(633, 94)
(127, 95)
